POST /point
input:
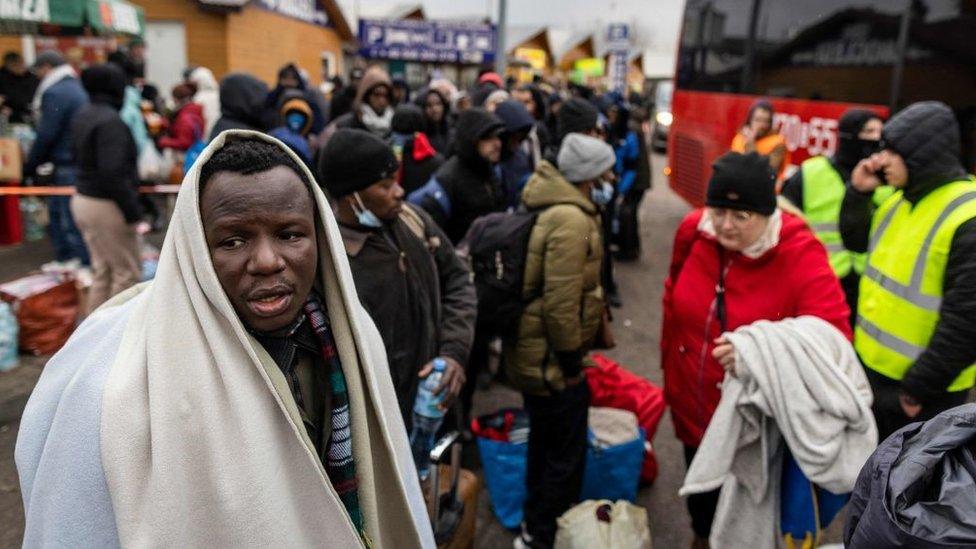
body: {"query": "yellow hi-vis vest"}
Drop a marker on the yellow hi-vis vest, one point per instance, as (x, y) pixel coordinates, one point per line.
(901, 290)
(823, 193)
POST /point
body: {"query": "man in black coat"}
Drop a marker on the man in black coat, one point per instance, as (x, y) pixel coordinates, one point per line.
(17, 86)
(467, 186)
(417, 290)
(920, 157)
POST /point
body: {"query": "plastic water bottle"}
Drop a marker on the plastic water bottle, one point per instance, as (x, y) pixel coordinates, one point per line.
(427, 418)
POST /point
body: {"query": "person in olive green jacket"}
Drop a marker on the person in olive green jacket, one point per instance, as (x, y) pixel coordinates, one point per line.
(558, 327)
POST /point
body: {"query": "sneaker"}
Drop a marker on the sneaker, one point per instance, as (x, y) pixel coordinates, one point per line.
(524, 540)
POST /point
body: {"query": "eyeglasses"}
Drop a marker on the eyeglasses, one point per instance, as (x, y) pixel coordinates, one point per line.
(738, 217)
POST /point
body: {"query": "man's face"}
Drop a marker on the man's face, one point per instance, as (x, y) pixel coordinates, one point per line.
(515, 140)
(384, 198)
(761, 122)
(137, 52)
(894, 168)
(260, 230)
(289, 80)
(490, 148)
(378, 99)
(525, 98)
(434, 108)
(42, 71)
(871, 130)
(16, 66)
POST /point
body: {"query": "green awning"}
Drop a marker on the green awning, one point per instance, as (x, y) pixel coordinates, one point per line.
(102, 16)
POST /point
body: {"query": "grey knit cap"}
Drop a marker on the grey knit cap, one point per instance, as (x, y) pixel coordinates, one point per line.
(583, 158)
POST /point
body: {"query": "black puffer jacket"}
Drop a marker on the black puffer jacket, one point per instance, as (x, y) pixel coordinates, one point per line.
(242, 99)
(918, 490)
(470, 182)
(926, 135)
(103, 144)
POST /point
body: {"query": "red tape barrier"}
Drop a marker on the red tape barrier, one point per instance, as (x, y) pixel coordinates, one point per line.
(68, 191)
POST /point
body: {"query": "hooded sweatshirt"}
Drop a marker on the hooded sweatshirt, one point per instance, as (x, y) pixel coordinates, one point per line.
(241, 103)
(470, 182)
(516, 165)
(441, 134)
(373, 78)
(295, 103)
(418, 159)
(103, 145)
(926, 135)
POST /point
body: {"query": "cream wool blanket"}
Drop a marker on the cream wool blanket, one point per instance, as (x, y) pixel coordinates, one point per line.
(200, 440)
(798, 382)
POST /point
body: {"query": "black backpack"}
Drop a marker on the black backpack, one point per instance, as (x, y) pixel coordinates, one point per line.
(496, 245)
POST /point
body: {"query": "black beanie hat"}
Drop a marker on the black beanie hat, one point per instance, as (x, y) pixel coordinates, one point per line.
(743, 182)
(576, 115)
(354, 160)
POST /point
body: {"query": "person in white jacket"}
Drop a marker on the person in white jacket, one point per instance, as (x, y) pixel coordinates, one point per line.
(207, 96)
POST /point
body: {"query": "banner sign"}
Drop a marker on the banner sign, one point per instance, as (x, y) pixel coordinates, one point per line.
(427, 41)
(618, 46)
(309, 11)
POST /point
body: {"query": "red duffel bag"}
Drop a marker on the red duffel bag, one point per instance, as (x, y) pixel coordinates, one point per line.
(612, 386)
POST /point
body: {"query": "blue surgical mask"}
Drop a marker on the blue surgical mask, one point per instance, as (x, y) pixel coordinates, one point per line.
(602, 193)
(295, 121)
(365, 217)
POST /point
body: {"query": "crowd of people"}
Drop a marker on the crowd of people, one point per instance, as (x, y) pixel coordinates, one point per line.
(325, 255)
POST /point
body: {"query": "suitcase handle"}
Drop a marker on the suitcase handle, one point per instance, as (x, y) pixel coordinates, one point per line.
(438, 455)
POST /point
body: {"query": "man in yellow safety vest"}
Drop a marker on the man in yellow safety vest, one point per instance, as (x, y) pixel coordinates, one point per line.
(818, 189)
(915, 327)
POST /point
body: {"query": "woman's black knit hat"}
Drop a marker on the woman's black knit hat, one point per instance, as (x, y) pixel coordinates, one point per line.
(743, 182)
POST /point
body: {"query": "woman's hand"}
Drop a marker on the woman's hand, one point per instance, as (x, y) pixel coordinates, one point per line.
(724, 353)
(749, 137)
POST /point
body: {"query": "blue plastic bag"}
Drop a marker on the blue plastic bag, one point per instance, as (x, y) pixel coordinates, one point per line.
(613, 472)
(806, 510)
(8, 337)
(504, 466)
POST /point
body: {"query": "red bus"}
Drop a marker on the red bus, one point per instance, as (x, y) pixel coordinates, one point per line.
(813, 59)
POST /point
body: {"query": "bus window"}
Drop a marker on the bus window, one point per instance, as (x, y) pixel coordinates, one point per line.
(713, 44)
(831, 50)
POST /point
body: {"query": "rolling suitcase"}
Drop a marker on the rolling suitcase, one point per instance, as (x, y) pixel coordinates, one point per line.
(452, 495)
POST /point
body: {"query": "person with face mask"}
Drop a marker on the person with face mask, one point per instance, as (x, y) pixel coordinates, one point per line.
(296, 117)
(416, 289)
(737, 261)
(372, 109)
(915, 328)
(559, 325)
(758, 135)
(291, 81)
(818, 189)
(467, 186)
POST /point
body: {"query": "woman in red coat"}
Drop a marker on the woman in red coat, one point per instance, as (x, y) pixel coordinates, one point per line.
(737, 261)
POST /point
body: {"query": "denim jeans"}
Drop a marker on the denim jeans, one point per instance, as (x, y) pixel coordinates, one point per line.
(67, 240)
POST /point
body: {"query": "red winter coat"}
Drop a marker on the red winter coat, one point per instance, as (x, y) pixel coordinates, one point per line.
(187, 128)
(793, 279)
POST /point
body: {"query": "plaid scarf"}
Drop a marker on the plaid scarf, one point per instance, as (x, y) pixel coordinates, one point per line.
(338, 458)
